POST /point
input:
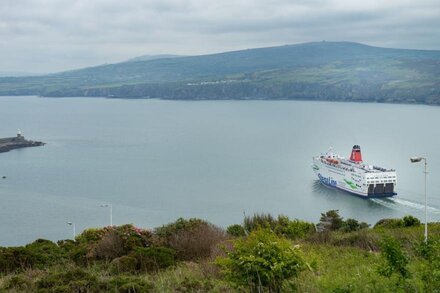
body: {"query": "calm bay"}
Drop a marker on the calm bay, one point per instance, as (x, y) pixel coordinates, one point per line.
(157, 160)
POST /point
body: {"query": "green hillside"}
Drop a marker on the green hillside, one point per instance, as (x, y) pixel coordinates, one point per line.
(263, 254)
(317, 71)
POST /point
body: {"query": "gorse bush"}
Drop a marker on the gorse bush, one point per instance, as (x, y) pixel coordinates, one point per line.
(152, 259)
(293, 229)
(281, 225)
(259, 221)
(410, 221)
(111, 242)
(171, 229)
(38, 254)
(236, 230)
(124, 264)
(351, 225)
(261, 261)
(72, 279)
(407, 221)
(389, 223)
(191, 239)
(109, 247)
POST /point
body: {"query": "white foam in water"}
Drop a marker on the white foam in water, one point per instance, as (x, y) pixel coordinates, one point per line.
(396, 202)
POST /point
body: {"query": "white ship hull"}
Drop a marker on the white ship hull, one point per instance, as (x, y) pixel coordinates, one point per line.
(355, 179)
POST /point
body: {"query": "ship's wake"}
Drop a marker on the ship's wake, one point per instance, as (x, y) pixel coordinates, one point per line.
(398, 203)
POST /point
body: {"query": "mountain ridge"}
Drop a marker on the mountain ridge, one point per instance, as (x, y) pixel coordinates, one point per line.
(342, 71)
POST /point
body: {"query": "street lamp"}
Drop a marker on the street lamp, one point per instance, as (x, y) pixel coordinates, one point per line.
(416, 160)
(107, 205)
(73, 227)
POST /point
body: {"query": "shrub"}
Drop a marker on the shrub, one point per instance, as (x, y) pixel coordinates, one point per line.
(78, 253)
(19, 283)
(191, 239)
(123, 264)
(395, 260)
(410, 221)
(91, 235)
(293, 229)
(236, 230)
(261, 260)
(430, 273)
(14, 259)
(109, 247)
(154, 258)
(259, 221)
(167, 231)
(389, 223)
(130, 235)
(351, 225)
(71, 279)
(331, 220)
(281, 225)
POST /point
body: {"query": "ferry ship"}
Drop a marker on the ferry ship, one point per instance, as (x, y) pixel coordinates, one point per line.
(353, 175)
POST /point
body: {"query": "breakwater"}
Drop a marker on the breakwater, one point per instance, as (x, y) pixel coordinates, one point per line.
(19, 141)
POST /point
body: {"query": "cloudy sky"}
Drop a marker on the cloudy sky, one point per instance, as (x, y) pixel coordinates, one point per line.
(54, 35)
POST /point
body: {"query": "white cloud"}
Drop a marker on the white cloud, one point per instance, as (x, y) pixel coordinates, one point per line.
(53, 35)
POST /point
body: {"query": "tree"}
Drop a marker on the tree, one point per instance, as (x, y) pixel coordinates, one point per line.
(331, 220)
(261, 261)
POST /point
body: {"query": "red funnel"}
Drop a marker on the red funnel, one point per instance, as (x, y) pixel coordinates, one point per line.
(356, 155)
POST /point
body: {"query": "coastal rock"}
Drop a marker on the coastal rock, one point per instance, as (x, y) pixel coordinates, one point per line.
(10, 143)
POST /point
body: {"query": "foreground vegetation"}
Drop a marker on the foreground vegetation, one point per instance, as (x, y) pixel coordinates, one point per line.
(263, 254)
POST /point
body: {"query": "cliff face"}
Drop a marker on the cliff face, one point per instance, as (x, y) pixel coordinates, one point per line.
(10, 143)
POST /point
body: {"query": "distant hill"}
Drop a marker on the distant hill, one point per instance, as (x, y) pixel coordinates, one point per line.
(152, 57)
(336, 71)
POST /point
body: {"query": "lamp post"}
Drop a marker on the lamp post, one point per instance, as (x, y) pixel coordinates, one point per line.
(73, 227)
(416, 160)
(107, 205)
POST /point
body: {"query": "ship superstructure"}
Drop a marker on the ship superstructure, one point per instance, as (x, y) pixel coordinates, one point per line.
(353, 175)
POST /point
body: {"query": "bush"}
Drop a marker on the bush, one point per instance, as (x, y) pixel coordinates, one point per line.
(410, 221)
(71, 279)
(331, 220)
(109, 247)
(389, 223)
(132, 236)
(430, 272)
(259, 221)
(281, 225)
(191, 239)
(236, 231)
(351, 225)
(123, 264)
(19, 283)
(395, 260)
(13, 259)
(78, 254)
(293, 229)
(261, 261)
(153, 259)
(167, 231)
